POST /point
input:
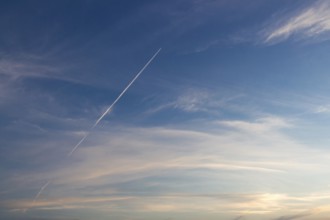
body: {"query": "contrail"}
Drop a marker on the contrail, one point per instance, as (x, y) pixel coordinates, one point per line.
(38, 194)
(77, 145)
(40, 191)
(99, 119)
(127, 87)
(117, 99)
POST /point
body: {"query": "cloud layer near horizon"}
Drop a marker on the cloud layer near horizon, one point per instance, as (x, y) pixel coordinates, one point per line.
(237, 156)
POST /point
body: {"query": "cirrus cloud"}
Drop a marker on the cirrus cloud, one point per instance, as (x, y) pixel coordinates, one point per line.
(310, 22)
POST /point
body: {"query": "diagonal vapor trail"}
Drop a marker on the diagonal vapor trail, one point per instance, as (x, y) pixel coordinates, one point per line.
(116, 100)
(99, 119)
(40, 191)
(127, 87)
(38, 194)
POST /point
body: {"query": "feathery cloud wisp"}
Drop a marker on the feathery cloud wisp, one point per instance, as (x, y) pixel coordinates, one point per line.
(308, 23)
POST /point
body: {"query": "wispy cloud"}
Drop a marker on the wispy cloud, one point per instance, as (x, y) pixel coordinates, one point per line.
(122, 167)
(63, 202)
(260, 125)
(242, 204)
(142, 155)
(291, 217)
(310, 22)
(322, 109)
(194, 100)
(23, 68)
(39, 218)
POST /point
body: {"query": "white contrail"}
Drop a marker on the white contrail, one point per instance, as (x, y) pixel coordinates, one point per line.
(77, 145)
(40, 191)
(117, 99)
(127, 87)
(38, 194)
(98, 120)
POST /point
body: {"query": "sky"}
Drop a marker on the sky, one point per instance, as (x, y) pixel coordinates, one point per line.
(228, 121)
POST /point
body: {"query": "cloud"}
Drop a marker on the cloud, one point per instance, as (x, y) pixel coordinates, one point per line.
(62, 203)
(260, 125)
(195, 100)
(13, 72)
(112, 158)
(171, 149)
(242, 204)
(322, 109)
(311, 22)
(37, 218)
(16, 67)
(291, 217)
(20, 68)
(192, 101)
(171, 169)
(239, 218)
(239, 203)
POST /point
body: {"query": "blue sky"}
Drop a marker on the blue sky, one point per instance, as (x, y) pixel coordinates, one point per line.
(229, 121)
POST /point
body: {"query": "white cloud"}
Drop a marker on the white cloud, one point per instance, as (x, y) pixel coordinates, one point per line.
(322, 109)
(255, 156)
(247, 204)
(199, 100)
(260, 125)
(192, 101)
(15, 69)
(310, 22)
